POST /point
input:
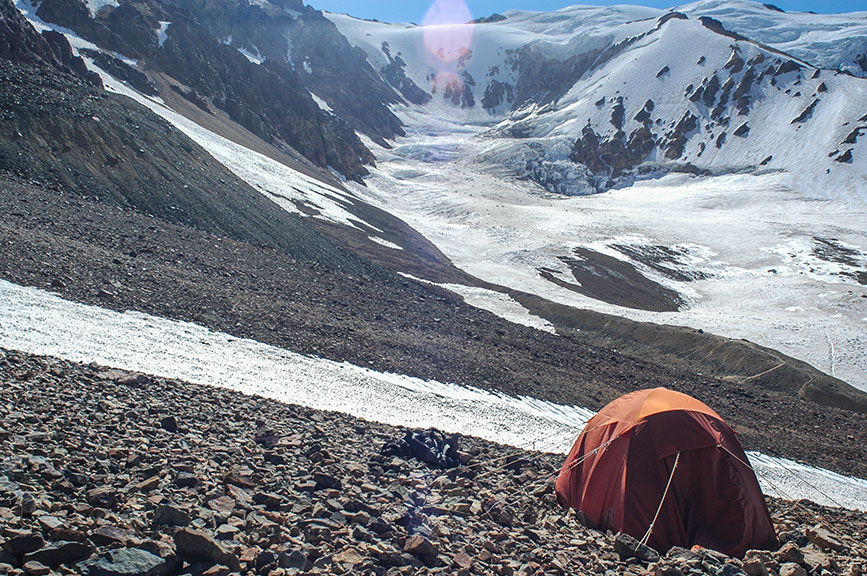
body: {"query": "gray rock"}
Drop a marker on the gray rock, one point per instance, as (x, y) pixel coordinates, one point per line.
(108, 536)
(102, 497)
(327, 481)
(186, 480)
(59, 553)
(193, 545)
(26, 505)
(23, 544)
(169, 424)
(124, 562)
(168, 515)
(628, 547)
(294, 559)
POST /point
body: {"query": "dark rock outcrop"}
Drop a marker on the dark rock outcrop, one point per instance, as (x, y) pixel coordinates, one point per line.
(807, 113)
(19, 42)
(395, 74)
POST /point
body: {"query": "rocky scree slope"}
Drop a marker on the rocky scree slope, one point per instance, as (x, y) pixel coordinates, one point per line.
(91, 252)
(85, 142)
(107, 472)
(270, 100)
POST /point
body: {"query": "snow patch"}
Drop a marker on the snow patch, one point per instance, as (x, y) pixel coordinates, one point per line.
(95, 6)
(384, 242)
(38, 322)
(321, 103)
(255, 58)
(162, 34)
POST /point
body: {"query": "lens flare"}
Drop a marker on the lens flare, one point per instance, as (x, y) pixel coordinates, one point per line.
(448, 33)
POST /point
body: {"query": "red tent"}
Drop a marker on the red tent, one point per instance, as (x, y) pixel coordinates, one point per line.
(620, 465)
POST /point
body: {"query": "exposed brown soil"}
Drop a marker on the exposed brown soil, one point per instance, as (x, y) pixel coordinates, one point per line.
(615, 281)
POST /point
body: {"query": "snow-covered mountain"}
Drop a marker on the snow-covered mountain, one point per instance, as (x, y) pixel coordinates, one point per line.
(587, 98)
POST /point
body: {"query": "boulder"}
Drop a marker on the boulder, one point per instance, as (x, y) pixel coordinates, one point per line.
(193, 545)
(824, 538)
(57, 553)
(418, 545)
(22, 544)
(124, 562)
(792, 569)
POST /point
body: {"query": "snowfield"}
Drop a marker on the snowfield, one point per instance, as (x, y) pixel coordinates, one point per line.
(39, 322)
(772, 248)
(752, 238)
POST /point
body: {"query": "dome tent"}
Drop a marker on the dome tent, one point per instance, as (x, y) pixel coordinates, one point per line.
(648, 441)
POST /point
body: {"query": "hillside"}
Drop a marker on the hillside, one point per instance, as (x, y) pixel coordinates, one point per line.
(107, 472)
(557, 209)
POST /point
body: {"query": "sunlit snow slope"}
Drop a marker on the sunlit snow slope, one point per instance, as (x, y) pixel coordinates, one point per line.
(734, 172)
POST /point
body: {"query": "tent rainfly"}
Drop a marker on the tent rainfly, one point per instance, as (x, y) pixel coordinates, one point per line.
(663, 467)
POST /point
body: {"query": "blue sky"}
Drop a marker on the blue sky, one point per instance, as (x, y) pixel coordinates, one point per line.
(414, 10)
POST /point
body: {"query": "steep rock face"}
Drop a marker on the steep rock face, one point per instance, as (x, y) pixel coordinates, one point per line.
(19, 42)
(544, 79)
(301, 37)
(270, 100)
(73, 14)
(395, 74)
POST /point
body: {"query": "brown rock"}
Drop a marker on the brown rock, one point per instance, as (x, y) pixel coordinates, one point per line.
(193, 546)
(217, 570)
(792, 569)
(146, 485)
(223, 505)
(418, 545)
(824, 538)
(349, 556)
(790, 553)
(815, 559)
(463, 560)
(35, 568)
(755, 567)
